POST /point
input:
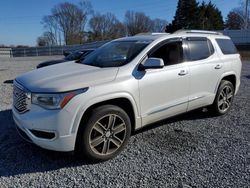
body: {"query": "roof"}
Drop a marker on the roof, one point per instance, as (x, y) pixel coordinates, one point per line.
(197, 32)
(185, 33)
(144, 36)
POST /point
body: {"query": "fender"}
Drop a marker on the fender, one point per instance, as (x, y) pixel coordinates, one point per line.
(222, 76)
(104, 98)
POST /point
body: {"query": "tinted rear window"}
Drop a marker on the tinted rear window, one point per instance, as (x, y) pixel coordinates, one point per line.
(199, 49)
(226, 46)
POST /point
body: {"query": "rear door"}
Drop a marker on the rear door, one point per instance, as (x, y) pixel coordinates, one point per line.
(205, 71)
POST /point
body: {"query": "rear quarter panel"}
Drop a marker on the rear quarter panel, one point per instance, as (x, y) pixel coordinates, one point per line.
(231, 66)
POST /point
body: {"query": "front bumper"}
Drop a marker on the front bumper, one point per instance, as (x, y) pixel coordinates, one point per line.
(56, 123)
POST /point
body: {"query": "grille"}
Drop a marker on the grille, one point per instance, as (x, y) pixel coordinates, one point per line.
(21, 98)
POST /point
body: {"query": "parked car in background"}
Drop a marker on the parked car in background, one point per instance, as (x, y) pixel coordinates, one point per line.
(93, 106)
(67, 52)
(77, 55)
(95, 45)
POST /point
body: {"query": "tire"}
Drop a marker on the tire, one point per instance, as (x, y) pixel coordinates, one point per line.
(105, 134)
(224, 98)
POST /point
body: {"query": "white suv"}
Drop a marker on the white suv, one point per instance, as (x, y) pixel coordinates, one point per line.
(93, 106)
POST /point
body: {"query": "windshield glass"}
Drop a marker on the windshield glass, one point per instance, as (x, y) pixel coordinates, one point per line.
(85, 53)
(73, 56)
(115, 54)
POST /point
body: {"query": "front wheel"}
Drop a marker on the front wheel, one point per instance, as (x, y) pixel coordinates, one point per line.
(106, 133)
(224, 98)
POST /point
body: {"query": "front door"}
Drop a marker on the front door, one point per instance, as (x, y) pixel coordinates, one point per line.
(164, 92)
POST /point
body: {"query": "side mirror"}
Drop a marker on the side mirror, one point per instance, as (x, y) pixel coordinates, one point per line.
(152, 63)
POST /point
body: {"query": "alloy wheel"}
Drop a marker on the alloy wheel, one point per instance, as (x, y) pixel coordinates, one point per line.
(225, 98)
(107, 135)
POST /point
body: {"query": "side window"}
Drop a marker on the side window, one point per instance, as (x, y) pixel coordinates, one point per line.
(226, 46)
(171, 53)
(199, 48)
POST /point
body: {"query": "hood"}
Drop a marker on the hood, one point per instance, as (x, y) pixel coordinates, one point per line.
(65, 77)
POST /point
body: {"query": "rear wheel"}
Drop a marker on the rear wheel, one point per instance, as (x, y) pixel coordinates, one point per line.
(106, 133)
(224, 98)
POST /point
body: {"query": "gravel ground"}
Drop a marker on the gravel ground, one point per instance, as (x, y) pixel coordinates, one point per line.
(191, 150)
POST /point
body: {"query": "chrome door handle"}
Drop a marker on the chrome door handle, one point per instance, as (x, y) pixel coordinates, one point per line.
(218, 66)
(183, 72)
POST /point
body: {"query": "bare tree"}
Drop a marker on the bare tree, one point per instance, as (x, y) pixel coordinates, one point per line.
(238, 17)
(47, 39)
(69, 20)
(51, 25)
(159, 25)
(41, 41)
(234, 20)
(137, 22)
(244, 11)
(105, 27)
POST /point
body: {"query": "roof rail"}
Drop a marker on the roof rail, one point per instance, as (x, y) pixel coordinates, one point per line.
(198, 32)
(151, 34)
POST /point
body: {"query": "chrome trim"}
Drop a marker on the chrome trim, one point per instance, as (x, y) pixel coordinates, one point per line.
(42, 139)
(166, 108)
(196, 98)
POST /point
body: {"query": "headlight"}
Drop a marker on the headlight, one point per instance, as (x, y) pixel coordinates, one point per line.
(54, 100)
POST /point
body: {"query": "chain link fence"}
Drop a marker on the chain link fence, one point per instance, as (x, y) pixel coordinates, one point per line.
(5, 52)
(51, 50)
(241, 38)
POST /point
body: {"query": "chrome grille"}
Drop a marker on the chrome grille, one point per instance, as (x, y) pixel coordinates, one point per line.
(21, 98)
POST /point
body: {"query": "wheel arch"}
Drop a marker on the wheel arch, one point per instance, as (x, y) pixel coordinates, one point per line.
(230, 76)
(124, 101)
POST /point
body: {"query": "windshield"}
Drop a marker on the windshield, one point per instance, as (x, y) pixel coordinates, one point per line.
(85, 53)
(115, 54)
(73, 56)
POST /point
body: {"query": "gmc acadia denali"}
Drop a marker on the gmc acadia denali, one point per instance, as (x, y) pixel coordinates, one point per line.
(92, 106)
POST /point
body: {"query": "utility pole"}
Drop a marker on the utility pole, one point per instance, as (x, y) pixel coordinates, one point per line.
(246, 14)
